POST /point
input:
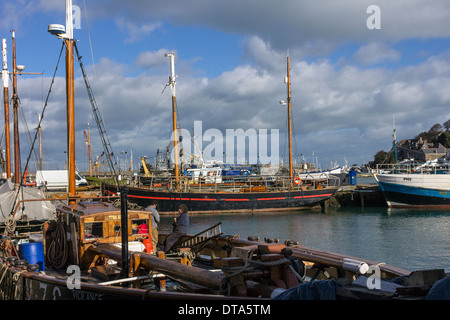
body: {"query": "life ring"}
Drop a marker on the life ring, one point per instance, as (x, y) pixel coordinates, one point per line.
(212, 173)
(297, 180)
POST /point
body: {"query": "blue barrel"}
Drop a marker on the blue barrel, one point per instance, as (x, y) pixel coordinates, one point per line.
(33, 252)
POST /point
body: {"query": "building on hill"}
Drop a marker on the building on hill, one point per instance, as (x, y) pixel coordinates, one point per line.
(420, 150)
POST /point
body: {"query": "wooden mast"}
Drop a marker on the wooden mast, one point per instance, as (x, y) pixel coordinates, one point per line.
(40, 141)
(15, 116)
(89, 151)
(5, 76)
(291, 174)
(174, 112)
(70, 101)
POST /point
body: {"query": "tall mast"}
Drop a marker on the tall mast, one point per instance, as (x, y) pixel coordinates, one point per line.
(5, 76)
(68, 39)
(395, 139)
(89, 151)
(291, 174)
(15, 116)
(40, 141)
(172, 83)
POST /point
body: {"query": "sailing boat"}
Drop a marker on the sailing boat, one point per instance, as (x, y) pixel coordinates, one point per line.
(251, 195)
(13, 211)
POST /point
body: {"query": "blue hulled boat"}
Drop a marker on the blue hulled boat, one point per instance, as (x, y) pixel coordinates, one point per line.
(417, 186)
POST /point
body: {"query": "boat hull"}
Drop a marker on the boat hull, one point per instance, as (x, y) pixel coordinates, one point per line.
(415, 190)
(17, 285)
(168, 202)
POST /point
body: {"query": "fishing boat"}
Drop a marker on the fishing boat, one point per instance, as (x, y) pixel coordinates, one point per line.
(415, 185)
(233, 194)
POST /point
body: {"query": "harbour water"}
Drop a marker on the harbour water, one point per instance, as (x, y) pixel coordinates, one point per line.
(408, 239)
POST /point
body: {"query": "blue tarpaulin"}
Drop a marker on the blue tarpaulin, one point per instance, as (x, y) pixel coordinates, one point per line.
(314, 290)
(440, 290)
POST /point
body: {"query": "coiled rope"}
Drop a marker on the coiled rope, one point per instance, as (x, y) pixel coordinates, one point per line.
(58, 249)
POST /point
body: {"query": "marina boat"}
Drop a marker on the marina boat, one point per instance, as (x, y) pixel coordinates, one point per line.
(214, 194)
(412, 185)
(338, 172)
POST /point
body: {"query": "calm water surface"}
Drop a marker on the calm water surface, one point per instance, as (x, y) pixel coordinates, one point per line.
(409, 239)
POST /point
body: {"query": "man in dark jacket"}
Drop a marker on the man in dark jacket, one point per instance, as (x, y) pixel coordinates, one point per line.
(180, 228)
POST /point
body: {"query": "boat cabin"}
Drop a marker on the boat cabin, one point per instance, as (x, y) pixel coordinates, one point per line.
(87, 223)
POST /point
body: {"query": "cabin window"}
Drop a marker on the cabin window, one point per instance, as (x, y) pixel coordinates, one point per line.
(139, 226)
(93, 230)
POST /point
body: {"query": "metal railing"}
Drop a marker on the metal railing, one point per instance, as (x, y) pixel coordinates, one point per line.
(238, 184)
(414, 168)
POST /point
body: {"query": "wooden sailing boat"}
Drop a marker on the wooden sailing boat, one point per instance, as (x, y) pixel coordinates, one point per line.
(254, 194)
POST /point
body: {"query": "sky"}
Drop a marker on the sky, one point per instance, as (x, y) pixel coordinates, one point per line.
(357, 68)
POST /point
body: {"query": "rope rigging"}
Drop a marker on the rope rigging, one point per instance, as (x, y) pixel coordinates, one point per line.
(98, 119)
(9, 227)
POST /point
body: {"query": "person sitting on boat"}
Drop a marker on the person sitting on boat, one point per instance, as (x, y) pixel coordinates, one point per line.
(155, 221)
(180, 228)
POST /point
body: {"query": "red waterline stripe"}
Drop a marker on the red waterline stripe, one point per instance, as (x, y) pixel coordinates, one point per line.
(279, 198)
(236, 199)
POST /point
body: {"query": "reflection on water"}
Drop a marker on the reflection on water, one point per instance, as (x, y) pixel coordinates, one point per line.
(409, 239)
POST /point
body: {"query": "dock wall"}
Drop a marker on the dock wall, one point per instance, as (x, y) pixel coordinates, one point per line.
(368, 195)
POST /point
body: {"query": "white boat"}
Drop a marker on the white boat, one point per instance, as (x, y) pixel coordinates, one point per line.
(337, 172)
(416, 186)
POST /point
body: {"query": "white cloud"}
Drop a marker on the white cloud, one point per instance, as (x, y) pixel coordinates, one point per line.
(293, 23)
(136, 31)
(374, 53)
(151, 59)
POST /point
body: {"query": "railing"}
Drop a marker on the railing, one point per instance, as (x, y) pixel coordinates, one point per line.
(238, 184)
(413, 168)
(200, 238)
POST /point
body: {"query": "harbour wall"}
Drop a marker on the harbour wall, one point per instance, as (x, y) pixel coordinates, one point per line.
(361, 195)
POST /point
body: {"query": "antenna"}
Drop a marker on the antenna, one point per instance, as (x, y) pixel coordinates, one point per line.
(172, 76)
(59, 30)
(5, 65)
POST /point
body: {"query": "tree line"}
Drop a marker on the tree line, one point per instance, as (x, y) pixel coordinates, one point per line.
(438, 133)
